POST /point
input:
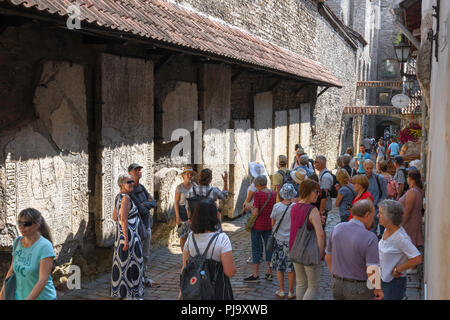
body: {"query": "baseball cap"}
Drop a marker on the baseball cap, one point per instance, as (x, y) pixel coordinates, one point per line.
(134, 166)
(282, 159)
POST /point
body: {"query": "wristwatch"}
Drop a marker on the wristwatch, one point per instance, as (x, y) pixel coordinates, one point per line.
(395, 270)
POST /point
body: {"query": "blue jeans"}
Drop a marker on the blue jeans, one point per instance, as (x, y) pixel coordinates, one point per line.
(257, 238)
(394, 290)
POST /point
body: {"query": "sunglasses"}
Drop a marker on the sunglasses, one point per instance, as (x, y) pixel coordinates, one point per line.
(25, 223)
(130, 182)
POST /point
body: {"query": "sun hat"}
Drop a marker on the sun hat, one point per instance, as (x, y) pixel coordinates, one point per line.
(288, 191)
(256, 169)
(300, 150)
(299, 175)
(188, 169)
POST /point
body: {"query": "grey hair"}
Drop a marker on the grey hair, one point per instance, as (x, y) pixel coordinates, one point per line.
(346, 158)
(122, 178)
(260, 181)
(369, 161)
(322, 159)
(304, 160)
(392, 210)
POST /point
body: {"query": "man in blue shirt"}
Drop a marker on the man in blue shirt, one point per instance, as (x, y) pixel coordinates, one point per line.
(362, 156)
(394, 148)
(377, 188)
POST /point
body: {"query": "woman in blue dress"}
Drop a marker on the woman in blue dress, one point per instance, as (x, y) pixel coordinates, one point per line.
(127, 276)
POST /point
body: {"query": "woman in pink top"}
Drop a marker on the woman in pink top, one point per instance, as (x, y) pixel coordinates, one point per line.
(308, 277)
(412, 202)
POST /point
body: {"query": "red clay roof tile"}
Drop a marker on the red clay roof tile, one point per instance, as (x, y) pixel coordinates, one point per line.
(169, 23)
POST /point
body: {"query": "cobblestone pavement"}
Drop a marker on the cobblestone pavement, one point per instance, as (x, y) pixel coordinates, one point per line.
(166, 264)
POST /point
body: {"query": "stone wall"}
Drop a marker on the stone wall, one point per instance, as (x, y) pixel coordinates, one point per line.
(289, 24)
(329, 106)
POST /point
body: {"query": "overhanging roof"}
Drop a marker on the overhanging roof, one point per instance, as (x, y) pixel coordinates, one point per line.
(169, 24)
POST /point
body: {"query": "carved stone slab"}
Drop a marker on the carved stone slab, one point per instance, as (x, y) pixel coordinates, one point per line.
(46, 164)
(127, 132)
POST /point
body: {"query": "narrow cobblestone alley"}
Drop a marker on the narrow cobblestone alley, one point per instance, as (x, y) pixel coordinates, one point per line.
(166, 263)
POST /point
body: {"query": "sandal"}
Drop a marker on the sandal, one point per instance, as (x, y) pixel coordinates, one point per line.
(269, 277)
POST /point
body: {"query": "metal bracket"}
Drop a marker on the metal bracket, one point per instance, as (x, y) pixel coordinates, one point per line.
(435, 37)
(323, 91)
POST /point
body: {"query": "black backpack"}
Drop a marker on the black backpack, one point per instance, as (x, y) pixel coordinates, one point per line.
(286, 177)
(333, 191)
(193, 201)
(197, 282)
(405, 186)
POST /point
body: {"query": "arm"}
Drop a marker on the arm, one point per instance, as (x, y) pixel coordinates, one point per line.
(250, 194)
(177, 208)
(185, 259)
(411, 263)
(225, 181)
(328, 260)
(228, 264)
(45, 269)
(339, 199)
(124, 210)
(277, 189)
(10, 271)
(409, 205)
(316, 221)
(323, 204)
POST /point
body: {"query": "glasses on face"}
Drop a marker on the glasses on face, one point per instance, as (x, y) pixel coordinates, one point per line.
(318, 192)
(25, 223)
(130, 182)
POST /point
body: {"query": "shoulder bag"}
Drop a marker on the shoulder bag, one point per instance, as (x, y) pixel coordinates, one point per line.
(251, 220)
(10, 283)
(271, 241)
(305, 249)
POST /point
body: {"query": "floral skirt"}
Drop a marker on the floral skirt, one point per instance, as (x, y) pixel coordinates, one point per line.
(280, 257)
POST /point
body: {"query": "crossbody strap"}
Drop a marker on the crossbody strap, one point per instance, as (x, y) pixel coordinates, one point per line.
(353, 192)
(279, 223)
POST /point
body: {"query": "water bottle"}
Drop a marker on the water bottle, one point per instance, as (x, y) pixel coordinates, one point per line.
(203, 274)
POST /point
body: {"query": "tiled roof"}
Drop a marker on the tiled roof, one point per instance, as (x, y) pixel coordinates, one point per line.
(172, 25)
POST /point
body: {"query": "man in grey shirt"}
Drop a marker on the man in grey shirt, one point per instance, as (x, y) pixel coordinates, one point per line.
(377, 188)
(325, 181)
(350, 250)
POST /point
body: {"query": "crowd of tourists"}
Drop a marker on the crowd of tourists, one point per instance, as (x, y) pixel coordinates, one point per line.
(380, 215)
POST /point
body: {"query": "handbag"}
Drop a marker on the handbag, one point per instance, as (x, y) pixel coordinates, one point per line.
(305, 249)
(10, 283)
(251, 220)
(271, 241)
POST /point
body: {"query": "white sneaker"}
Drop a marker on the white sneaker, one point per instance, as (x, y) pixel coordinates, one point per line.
(279, 294)
(250, 260)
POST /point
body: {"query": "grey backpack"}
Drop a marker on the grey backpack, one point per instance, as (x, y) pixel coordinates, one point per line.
(305, 249)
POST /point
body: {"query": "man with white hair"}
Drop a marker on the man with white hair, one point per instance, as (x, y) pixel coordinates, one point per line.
(377, 188)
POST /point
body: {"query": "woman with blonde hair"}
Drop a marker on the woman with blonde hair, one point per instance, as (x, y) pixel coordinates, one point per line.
(33, 257)
(346, 193)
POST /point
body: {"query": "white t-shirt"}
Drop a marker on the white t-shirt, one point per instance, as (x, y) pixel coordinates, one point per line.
(285, 226)
(220, 245)
(394, 251)
(326, 182)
